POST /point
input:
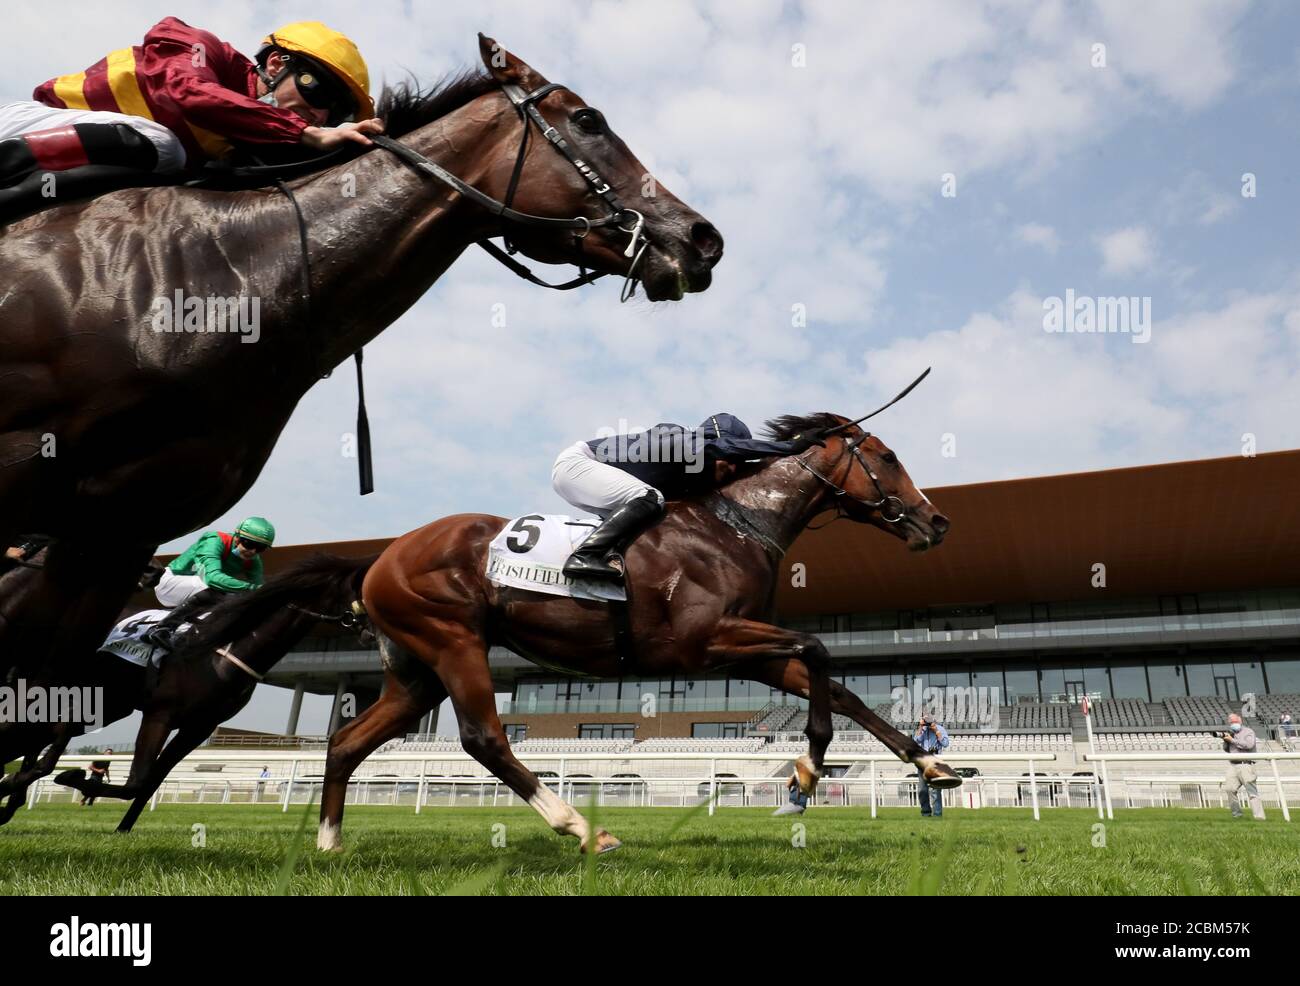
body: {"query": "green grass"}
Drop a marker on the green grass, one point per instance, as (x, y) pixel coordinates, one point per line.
(63, 849)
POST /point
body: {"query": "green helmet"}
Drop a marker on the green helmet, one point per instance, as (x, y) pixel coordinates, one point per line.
(257, 529)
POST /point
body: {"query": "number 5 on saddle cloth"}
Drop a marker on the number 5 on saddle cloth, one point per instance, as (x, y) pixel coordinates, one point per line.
(530, 552)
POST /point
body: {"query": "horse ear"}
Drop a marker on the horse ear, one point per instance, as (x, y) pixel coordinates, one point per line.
(506, 68)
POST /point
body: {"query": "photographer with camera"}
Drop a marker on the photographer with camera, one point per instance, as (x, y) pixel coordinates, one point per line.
(1241, 773)
(933, 738)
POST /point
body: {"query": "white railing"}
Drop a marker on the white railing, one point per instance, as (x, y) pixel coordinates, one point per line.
(187, 771)
(1109, 758)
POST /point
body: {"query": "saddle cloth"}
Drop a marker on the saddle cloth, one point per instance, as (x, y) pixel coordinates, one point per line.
(530, 552)
(124, 641)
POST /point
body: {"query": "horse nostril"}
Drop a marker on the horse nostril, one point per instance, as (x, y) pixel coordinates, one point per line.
(707, 240)
(940, 523)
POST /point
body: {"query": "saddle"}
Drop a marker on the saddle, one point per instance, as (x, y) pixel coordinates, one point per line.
(31, 195)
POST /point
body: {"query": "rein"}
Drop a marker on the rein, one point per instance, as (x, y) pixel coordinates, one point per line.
(348, 620)
(619, 216)
(354, 618)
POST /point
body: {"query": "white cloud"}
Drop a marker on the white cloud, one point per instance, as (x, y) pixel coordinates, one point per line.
(1181, 49)
(1039, 235)
(1024, 402)
(1126, 251)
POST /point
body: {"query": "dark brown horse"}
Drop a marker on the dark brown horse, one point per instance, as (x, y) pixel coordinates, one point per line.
(206, 682)
(116, 436)
(700, 594)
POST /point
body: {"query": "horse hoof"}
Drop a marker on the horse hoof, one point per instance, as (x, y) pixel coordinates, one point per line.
(939, 775)
(71, 777)
(604, 843)
(807, 774)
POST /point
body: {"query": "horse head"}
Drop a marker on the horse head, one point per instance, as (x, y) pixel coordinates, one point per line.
(868, 484)
(587, 171)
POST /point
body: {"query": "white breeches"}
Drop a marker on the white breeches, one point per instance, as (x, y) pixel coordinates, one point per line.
(28, 117)
(592, 485)
(173, 589)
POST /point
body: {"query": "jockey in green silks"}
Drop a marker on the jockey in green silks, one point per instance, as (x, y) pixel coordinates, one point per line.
(216, 564)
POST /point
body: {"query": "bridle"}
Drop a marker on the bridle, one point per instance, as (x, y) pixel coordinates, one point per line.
(853, 446)
(619, 216)
(353, 618)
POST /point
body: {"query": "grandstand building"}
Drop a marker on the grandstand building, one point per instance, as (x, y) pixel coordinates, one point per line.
(1166, 594)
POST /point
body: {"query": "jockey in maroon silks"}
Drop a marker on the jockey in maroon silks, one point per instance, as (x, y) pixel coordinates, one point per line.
(184, 97)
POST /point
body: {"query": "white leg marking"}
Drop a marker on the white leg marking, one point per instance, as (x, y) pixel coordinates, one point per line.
(328, 837)
(559, 815)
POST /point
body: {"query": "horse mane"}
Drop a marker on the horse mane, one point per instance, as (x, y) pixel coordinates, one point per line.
(243, 612)
(407, 107)
(788, 425)
(782, 429)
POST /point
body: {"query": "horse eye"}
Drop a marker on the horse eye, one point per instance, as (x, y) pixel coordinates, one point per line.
(589, 121)
(891, 458)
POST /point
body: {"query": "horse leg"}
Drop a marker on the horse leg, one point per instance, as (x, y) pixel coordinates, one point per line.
(737, 642)
(33, 769)
(181, 745)
(791, 676)
(400, 706)
(149, 740)
(9, 780)
(460, 660)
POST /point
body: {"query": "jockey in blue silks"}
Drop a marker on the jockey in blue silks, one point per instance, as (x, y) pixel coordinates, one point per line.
(626, 479)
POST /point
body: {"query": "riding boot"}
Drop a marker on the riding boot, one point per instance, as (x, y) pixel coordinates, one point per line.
(16, 161)
(163, 633)
(600, 556)
(65, 148)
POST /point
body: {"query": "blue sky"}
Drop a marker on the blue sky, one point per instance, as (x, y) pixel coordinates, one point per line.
(825, 179)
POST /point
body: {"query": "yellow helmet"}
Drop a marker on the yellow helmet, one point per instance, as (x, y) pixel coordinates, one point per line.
(335, 51)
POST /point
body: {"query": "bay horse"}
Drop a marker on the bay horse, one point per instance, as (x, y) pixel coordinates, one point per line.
(700, 587)
(114, 432)
(205, 682)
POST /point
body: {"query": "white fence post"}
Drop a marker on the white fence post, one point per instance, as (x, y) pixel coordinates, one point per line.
(1033, 789)
(288, 787)
(873, 789)
(1281, 795)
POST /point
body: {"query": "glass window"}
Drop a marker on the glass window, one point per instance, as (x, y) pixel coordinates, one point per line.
(546, 694)
(1022, 681)
(1166, 679)
(1200, 677)
(990, 678)
(1095, 679)
(1053, 682)
(1250, 677)
(1283, 674)
(606, 730)
(1129, 680)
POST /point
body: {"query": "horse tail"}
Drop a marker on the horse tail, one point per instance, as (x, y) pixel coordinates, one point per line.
(304, 583)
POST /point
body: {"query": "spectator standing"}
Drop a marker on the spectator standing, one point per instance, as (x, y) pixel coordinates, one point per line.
(932, 738)
(1241, 773)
